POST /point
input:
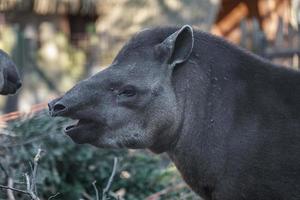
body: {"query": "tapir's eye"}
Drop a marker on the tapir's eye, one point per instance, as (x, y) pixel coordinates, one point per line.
(128, 91)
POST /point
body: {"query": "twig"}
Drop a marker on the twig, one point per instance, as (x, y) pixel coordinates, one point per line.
(30, 183)
(53, 196)
(14, 189)
(96, 190)
(110, 180)
(31, 193)
(10, 194)
(35, 166)
(10, 183)
(27, 182)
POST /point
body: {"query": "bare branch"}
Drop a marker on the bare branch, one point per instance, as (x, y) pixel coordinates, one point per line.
(96, 190)
(27, 182)
(53, 196)
(10, 194)
(35, 166)
(30, 183)
(10, 183)
(31, 193)
(107, 188)
(14, 189)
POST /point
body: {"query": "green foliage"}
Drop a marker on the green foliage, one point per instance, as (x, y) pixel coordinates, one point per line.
(71, 169)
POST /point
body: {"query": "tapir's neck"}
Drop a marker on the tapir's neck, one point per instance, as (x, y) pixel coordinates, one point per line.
(196, 149)
(213, 91)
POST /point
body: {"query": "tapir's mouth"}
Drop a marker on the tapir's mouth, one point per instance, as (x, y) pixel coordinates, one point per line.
(80, 124)
(83, 131)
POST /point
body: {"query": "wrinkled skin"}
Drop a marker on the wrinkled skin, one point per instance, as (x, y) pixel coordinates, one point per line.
(10, 80)
(228, 119)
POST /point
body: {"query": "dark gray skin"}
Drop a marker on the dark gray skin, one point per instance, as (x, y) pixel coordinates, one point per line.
(228, 119)
(10, 80)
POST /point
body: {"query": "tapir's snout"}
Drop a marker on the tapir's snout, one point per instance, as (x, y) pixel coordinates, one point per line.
(77, 100)
(71, 106)
(11, 87)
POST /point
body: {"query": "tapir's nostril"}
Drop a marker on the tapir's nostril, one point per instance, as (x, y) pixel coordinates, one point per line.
(19, 84)
(58, 107)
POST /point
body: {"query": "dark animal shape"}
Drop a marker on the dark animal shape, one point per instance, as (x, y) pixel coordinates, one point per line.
(10, 80)
(229, 120)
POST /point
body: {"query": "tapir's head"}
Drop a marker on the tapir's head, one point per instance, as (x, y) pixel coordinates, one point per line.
(10, 80)
(131, 103)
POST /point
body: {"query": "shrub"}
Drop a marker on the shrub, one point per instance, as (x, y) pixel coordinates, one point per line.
(71, 169)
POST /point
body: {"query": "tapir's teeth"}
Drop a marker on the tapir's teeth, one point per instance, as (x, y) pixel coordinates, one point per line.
(76, 122)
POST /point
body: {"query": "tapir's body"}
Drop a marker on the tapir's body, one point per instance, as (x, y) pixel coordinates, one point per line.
(242, 141)
(234, 125)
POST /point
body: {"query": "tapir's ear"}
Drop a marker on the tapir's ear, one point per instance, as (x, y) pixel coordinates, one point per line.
(177, 47)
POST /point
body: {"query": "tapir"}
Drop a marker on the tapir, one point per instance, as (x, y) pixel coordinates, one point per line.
(228, 119)
(10, 80)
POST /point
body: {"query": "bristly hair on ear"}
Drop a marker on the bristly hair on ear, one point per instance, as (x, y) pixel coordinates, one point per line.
(177, 47)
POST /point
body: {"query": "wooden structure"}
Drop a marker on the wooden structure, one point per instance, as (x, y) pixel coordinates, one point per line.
(269, 14)
(70, 16)
(267, 27)
(46, 7)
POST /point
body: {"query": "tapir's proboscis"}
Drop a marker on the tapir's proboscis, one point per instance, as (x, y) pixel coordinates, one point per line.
(10, 80)
(228, 119)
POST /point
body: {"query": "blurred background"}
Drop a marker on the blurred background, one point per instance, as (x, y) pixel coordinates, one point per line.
(56, 43)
